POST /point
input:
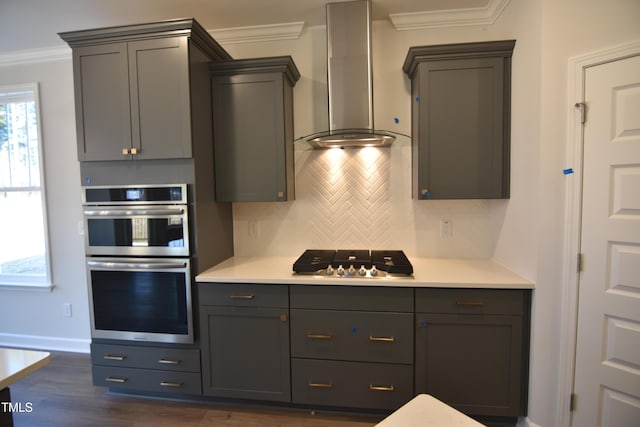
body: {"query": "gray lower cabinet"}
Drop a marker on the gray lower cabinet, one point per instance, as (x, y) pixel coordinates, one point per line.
(367, 347)
(245, 341)
(253, 129)
(460, 103)
(471, 349)
(133, 88)
(352, 346)
(146, 369)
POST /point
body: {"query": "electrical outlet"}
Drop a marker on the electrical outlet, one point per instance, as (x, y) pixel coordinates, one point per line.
(446, 231)
(81, 228)
(66, 309)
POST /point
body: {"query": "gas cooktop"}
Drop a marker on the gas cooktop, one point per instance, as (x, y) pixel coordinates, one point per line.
(347, 263)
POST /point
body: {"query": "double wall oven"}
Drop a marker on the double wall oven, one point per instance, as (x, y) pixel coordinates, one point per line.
(138, 262)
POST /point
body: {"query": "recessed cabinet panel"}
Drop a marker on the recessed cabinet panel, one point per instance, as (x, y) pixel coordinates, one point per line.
(160, 112)
(246, 352)
(253, 129)
(470, 362)
(246, 138)
(460, 120)
(103, 122)
(463, 111)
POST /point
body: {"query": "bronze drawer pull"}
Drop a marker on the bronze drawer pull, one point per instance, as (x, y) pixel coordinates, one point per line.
(381, 387)
(382, 339)
(250, 296)
(470, 303)
(169, 362)
(170, 384)
(117, 357)
(319, 336)
(320, 385)
(116, 380)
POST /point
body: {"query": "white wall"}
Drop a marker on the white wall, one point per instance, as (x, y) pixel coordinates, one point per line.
(35, 318)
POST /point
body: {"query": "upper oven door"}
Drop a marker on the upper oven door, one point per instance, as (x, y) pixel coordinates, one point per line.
(157, 230)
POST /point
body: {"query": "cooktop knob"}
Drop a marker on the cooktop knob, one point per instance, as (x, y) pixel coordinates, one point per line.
(352, 270)
(362, 271)
(329, 271)
(373, 271)
(340, 271)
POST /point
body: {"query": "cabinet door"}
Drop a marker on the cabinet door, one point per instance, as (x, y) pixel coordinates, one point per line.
(471, 362)
(245, 353)
(249, 135)
(102, 101)
(463, 150)
(160, 102)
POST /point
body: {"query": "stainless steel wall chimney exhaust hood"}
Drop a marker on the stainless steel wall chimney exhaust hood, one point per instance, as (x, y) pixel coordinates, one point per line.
(349, 79)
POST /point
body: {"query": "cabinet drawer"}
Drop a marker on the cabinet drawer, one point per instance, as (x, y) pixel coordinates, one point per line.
(351, 384)
(472, 301)
(150, 380)
(352, 335)
(167, 359)
(244, 295)
(352, 298)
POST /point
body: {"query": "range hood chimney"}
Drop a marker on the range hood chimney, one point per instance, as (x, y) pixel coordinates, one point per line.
(349, 79)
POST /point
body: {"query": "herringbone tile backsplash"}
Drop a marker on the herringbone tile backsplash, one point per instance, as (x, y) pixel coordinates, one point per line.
(360, 199)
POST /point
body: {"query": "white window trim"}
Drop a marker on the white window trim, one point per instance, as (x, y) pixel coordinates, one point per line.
(8, 282)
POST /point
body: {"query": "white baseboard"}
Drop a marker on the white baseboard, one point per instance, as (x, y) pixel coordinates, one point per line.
(73, 345)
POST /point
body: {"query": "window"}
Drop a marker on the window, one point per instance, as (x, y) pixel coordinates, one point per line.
(24, 254)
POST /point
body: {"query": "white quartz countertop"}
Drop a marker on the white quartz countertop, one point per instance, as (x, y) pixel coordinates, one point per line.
(16, 364)
(427, 272)
(426, 411)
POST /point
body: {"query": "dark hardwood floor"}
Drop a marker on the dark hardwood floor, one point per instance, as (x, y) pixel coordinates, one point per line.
(62, 395)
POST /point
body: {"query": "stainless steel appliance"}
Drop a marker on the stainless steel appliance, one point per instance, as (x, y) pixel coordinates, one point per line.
(136, 220)
(347, 263)
(138, 265)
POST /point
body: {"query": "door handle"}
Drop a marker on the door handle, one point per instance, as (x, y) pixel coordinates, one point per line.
(250, 296)
(170, 384)
(319, 385)
(381, 387)
(319, 336)
(381, 339)
(117, 357)
(169, 362)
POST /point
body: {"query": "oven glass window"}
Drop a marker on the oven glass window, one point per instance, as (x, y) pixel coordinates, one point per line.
(140, 301)
(160, 232)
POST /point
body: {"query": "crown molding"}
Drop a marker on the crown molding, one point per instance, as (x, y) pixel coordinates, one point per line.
(449, 18)
(32, 56)
(258, 33)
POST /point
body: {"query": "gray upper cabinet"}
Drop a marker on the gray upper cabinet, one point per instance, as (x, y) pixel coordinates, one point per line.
(253, 129)
(461, 96)
(133, 89)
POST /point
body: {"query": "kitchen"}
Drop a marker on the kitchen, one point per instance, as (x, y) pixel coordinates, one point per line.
(524, 233)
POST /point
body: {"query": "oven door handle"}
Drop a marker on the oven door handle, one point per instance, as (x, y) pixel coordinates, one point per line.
(111, 265)
(132, 212)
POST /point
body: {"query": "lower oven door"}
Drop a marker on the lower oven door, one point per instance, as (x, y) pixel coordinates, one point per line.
(141, 299)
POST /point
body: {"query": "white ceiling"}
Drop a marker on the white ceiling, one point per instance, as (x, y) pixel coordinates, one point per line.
(32, 24)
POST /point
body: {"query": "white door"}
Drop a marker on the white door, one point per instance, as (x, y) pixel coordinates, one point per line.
(607, 369)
